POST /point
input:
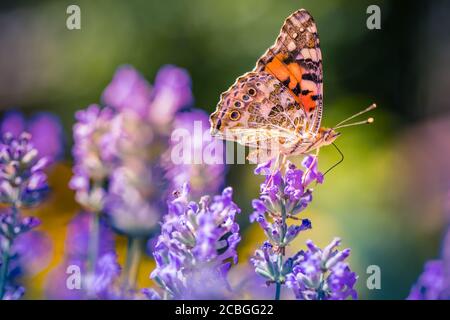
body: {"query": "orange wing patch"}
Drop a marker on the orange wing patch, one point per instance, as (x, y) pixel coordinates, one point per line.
(296, 61)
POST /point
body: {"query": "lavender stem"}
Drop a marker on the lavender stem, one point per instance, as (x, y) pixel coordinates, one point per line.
(134, 256)
(5, 257)
(4, 269)
(94, 242)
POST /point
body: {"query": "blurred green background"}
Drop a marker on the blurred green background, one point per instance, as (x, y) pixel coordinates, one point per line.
(387, 201)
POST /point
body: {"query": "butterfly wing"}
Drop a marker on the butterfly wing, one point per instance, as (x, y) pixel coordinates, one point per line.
(296, 61)
(257, 111)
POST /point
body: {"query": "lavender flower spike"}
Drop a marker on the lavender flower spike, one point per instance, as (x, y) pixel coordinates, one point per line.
(93, 154)
(284, 194)
(23, 184)
(45, 129)
(322, 274)
(197, 240)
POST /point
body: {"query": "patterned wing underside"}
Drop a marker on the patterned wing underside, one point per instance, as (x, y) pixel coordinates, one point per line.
(296, 60)
(280, 101)
(257, 110)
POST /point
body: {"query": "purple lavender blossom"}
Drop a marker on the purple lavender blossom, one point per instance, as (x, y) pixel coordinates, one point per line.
(197, 239)
(171, 92)
(13, 122)
(267, 263)
(78, 233)
(23, 184)
(33, 250)
(431, 283)
(206, 176)
(97, 285)
(128, 90)
(46, 131)
(434, 282)
(314, 274)
(134, 200)
(322, 274)
(136, 184)
(47, 135)
(284, 196)
(93, 153)
(100, 284)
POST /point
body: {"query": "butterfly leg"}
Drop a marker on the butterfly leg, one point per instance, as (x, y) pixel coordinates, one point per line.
(279, 164)
(316, 156)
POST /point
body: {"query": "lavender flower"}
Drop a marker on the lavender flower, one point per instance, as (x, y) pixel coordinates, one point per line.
(45, 128)
(136, 185)
(100, 284)
(93, 154)
(434, 282)
(128, 90)
(322, 274)
(118, 166)
(172, 91)
(288, 191)
(203, 165)
(31, 262)
(13, 123)
(269, 265)
(197, 239)
(23, 184)
(314, 274)
(431, 283)
(283, 196)
(97, 282)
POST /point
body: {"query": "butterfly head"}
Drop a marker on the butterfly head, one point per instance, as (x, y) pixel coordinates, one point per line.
(327, 136)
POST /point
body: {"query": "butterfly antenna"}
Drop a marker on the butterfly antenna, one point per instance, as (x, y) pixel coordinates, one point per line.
(371, 107)
(337, 163)
(368, 121)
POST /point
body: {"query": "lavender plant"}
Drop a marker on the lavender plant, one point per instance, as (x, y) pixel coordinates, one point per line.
(322, 274)
(45, 129)
(434, 282)
(314, 274)
(196, 247)
(122, 172)
(122, 176)
(99, 283)
(23, 184)
(94, 160)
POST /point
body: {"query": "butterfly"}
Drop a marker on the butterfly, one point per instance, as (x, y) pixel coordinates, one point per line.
(277, 107)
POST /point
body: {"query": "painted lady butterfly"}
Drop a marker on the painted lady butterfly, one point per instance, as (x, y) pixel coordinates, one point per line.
(277, 107)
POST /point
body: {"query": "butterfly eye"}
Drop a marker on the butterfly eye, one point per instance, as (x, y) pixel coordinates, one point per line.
(245, 97)
(237, 104)
(235, 115)
(251, 92)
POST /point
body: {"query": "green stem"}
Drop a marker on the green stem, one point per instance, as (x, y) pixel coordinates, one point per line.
(134, 255)
(94, 240)
(277, 290)
(6, 256)
(281, 253)
(4, 268)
